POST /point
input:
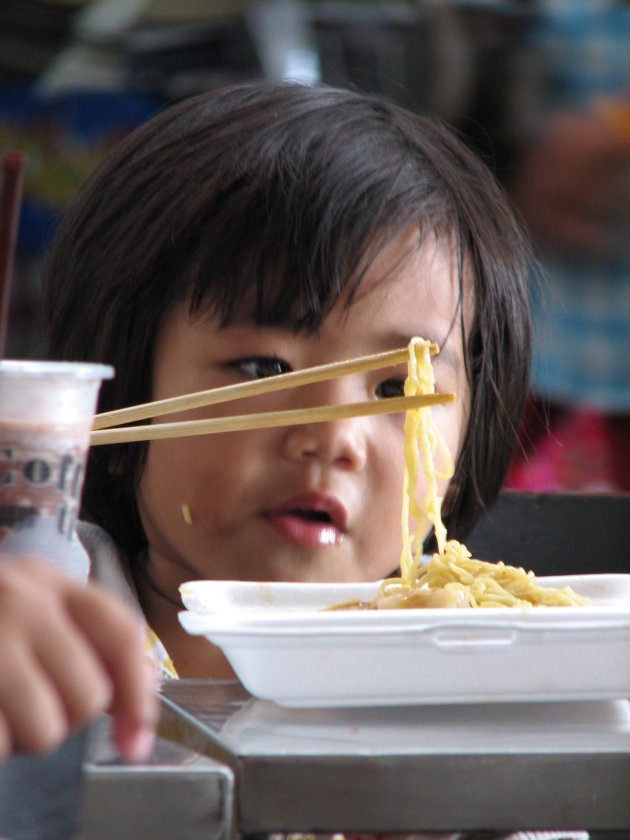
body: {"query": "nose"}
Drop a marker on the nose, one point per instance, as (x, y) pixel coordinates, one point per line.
(343, 442)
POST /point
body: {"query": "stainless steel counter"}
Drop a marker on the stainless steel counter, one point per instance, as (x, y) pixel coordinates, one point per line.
(84, 791)
(178, 793)
(228, 764)
(508, 766)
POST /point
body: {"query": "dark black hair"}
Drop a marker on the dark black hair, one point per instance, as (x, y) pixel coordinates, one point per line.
(289, 189)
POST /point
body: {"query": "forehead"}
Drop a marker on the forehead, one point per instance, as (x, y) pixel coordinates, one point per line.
(412, 285)
(420, 284)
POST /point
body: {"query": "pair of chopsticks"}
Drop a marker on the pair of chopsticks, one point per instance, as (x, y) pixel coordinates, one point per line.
(103, 432)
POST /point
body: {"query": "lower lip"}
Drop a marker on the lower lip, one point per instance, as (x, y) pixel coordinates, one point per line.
(304, 532)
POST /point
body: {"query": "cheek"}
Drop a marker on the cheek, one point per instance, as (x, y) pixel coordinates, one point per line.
(221, 471)
(162, 491)
(450, 422)
(199, 481)
(389, 484)
(195, 471)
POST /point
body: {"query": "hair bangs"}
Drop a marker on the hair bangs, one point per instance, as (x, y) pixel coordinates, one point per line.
(302, 244)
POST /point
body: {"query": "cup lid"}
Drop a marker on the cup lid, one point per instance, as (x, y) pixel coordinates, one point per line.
(38, 368)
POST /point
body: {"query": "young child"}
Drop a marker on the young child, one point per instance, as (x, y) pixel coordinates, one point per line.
(264, 228)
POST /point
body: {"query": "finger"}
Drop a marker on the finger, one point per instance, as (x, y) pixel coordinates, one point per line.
(76, 669)
(6, 739)
(33, 713)
(134, 738)
(55, 679)
(117, 634)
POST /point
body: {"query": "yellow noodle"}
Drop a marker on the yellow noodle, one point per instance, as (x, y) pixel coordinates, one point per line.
(452, 567)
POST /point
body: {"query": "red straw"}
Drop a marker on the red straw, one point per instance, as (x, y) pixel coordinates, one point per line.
(13, 164)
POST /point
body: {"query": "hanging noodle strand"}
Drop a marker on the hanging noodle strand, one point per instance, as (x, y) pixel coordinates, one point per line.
(452, 577)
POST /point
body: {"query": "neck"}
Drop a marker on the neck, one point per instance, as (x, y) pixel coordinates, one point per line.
(193, 656)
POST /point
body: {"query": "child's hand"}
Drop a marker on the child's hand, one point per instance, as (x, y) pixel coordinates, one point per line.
(67, 652)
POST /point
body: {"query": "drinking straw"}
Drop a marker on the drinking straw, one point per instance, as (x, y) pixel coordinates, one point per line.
(13, 164)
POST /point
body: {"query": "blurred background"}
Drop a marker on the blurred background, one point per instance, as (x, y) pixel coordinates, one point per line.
(539, 88)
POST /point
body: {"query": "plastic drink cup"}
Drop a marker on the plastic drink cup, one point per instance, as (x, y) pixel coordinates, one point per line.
(46, 415)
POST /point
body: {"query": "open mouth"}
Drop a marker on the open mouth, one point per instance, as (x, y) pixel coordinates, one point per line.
(312, 515)
(312, 521)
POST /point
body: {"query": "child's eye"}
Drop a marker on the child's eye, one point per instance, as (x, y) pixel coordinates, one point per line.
(260, 367)
(391, 388)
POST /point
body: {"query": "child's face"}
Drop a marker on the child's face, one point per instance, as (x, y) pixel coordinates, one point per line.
(305, 503)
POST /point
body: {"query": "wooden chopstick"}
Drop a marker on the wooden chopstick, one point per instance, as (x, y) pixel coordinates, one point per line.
(250, 389)
(266, 419)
